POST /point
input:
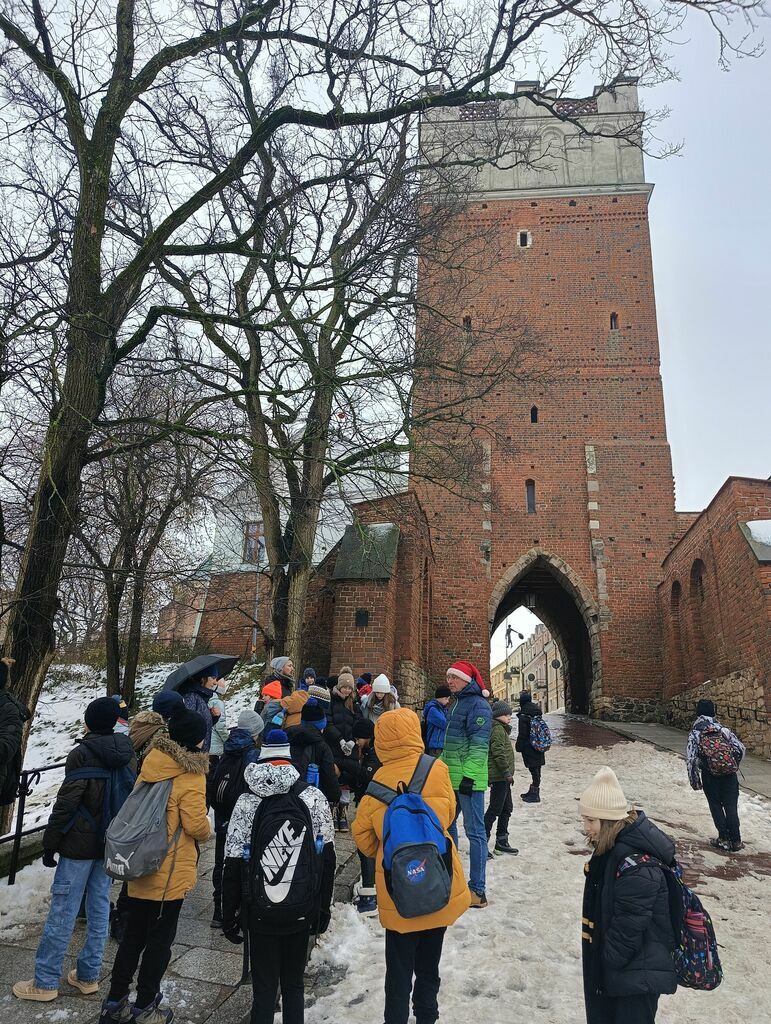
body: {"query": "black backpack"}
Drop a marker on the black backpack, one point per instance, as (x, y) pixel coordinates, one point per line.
(228, 784)
(284, 869)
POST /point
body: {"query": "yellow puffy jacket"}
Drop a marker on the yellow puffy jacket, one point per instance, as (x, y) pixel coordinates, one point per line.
(187, 807)
(398, 744)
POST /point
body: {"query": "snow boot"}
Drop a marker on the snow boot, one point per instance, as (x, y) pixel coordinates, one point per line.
(116, 1012)
(524, 796)
(365, 902)
(154, 1013)
(736, 845)
(341, 818)
(533, 797)
(502, 845)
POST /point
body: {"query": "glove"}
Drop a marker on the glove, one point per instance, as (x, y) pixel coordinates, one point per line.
(49, 860)
(232, 932)
(347, 747)
(466, 787)
(508, 777)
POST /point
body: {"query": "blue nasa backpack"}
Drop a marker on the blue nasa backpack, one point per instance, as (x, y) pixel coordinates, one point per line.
(417, 857)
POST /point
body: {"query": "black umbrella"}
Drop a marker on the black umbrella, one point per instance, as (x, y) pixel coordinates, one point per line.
(223, 663)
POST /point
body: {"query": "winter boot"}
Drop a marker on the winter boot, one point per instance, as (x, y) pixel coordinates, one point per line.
(736, 845)
(502, 845)
(477, 902)
(216, 919)
(154, 1013)
(524, 796)
(365, 902)
(341, 818)
(533, 797)
(719, 843)
(116, 1012)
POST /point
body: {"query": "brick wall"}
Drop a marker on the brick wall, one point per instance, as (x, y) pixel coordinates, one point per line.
(229, 612)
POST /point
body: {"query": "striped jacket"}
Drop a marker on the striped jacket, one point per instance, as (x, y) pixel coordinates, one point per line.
(467, 740)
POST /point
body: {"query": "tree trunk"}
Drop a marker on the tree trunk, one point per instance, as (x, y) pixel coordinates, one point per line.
(112, 638)
(134, 638)
(295, 621)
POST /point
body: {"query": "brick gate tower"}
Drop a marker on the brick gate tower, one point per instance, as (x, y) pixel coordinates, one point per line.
(573, 512)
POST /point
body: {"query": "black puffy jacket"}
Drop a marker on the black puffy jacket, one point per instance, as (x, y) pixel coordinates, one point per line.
(342, 717)
(13, 715)
(83, 840)
(308, 746)
(532, 758)
(628, 918)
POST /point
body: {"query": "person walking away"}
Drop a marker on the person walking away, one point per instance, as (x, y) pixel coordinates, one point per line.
(435, 720)
(713, 756)
(155, 900)
(533, 759)
(309, 751)
(99, 775)
(365, 894)
(279, 820)
(381, 699)
(13, 715)
(197, 694)
(626, 928)
(413, 945)
(226, 785)
(500, 773)
(466, 746)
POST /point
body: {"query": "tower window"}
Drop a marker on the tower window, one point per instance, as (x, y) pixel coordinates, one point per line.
(253, 542)
(467, 324)
(524, 240)
(534, 414)
(530, 495)
(614, 321)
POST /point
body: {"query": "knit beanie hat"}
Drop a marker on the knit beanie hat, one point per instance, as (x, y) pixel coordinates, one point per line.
(525, 697)
(706, 707)
(309, 673)
(365, 679)
(187, 728)
(500, 707)
(604, 799)
(363, 729)
(165, 702)
(318, 693)
(313, 713)
(275, 747)
(442, 691)
(251, 721)
(381, 684)
(278, 665)
(101, 715)
(346, 679)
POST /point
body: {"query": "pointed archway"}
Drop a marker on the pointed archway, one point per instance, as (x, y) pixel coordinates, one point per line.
(548, 586)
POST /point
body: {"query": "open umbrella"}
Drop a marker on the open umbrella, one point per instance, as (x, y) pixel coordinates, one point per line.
(223, 663)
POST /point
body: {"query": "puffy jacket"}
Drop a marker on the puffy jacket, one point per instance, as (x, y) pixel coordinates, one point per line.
(308, 746)
(628, 920)
(532, 758)
(186, 808)
(399, 745)
(239, 751)
(435, 717)
(219, 732)
(343, 717)
(501, 761)
(692, 756)
(13, 715)
(197, 698)
(467, 740)
(84, 840)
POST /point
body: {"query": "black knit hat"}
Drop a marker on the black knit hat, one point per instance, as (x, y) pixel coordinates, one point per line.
(312, 712)
(706, 707)
(442, 691)
(187, 728)
(363, 729)
(102, 715)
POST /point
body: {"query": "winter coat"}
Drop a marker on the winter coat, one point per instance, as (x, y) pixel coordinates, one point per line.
(368, 765)
(372, 708)
(241, 750)
(293, 705)
(197, 699)
(532, 758)
(80, 836)
(342, 717)
(627, 935)
(435, 717)
(399, 745)
(186, 810)
(276, 688)
(145, 726)
(13, 715)
(308, 746)
(265, 780)
(467, 740)
(501, 760)
(219, 732)
(692, 756)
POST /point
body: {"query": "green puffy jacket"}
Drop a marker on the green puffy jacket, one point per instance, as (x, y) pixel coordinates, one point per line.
(500, 760)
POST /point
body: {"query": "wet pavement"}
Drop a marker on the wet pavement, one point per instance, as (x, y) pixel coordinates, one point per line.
(573, 731)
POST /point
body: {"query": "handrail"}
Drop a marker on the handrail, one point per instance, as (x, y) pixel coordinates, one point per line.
(28, 779)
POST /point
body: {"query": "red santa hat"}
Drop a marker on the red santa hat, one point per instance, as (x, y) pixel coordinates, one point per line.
(468, 672)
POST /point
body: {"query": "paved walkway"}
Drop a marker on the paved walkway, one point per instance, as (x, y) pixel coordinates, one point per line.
(755, 774)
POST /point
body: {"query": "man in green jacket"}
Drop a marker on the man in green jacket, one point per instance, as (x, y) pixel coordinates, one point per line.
(500, 768)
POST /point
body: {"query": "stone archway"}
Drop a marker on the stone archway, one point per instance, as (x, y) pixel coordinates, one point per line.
(569, 611)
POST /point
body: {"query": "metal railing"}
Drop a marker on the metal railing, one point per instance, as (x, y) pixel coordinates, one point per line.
(28, 779)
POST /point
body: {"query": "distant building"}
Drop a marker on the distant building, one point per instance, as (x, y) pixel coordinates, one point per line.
(531, 667)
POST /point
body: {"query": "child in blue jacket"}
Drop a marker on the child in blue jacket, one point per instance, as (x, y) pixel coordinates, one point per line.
(435, 717)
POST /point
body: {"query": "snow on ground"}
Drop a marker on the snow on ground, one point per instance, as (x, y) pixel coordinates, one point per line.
(31, 895)
(520, 959)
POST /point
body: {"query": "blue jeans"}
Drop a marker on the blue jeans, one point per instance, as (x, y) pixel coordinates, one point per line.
(73, 878)
(473, 810)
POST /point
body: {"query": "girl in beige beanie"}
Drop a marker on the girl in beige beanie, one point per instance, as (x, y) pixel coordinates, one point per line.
(626, 930)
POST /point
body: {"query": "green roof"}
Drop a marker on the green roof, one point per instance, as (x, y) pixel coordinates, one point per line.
(368, 552)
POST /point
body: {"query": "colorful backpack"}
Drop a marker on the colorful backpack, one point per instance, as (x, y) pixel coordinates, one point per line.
(540, 735)
(716, 753)
(697, 962)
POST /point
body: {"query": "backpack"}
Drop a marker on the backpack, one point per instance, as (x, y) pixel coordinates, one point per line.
(137, 841)
(716, 753)
(118, 784)
(273, 714)
(540, 735)
(228, 784)
(417, 856)
(284, 869)
(697, 962)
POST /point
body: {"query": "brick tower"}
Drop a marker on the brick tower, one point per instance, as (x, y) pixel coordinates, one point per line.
(574, 517)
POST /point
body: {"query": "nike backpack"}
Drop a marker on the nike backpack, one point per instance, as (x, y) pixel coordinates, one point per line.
(417, 856)
(137, 840)
(283, 873)
(716, 753)
(540, 735)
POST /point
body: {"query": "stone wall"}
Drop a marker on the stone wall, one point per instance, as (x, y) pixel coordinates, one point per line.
(627, 709)
(740, 701)
(413, 684)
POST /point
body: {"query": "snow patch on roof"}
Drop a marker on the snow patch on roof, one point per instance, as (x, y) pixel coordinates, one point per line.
(760, 530)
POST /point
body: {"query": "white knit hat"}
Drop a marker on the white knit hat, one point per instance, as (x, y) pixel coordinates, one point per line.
(604, 799)
(381, 684)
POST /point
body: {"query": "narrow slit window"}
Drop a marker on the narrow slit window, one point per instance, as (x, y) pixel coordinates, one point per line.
(467, 324)
(530, 495)
(534, 414)
(524, 239)
(614, 321)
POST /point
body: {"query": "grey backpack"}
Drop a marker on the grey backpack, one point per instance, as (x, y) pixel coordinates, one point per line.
(137, 841)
